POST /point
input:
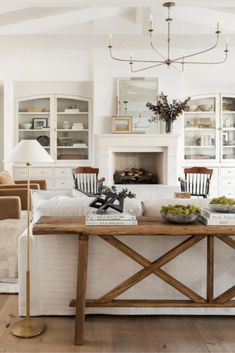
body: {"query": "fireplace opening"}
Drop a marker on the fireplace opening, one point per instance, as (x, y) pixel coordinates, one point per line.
(138, 168)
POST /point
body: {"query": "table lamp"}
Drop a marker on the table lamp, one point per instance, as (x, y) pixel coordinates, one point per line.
(28, 152)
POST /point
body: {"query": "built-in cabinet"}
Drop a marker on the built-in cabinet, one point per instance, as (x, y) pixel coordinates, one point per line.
(62, 125)
(209, 139)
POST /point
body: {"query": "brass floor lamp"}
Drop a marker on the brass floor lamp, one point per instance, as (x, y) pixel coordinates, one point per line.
(28, 152)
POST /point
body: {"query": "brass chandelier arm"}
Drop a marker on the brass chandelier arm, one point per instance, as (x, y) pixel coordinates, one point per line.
(134, 60)
(199, 52)
(145, 68)
(153, 47)
(204, 62)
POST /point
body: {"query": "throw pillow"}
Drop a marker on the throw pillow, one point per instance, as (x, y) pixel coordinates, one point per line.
(5, 178)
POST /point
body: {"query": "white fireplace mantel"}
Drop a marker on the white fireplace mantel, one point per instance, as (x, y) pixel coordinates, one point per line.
(107, 144)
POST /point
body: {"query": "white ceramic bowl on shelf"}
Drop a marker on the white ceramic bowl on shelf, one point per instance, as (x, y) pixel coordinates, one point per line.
(27, 126)
(193, 107)
(205, 107)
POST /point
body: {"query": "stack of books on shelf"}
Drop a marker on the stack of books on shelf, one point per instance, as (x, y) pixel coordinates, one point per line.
(211, 218)
(77, 126)
(111, 218)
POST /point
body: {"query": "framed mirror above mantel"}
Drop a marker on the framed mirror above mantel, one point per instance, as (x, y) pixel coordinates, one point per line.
(133, 93)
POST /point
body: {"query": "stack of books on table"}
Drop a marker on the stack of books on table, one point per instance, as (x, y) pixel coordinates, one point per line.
(111, 218)
(212, 218)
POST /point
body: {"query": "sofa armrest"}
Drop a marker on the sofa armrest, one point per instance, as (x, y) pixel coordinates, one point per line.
(10, 207)
(19, 186)
(20, 192)
(42, 183)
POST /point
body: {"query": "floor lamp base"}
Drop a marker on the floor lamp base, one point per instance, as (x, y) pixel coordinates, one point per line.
(28, 328)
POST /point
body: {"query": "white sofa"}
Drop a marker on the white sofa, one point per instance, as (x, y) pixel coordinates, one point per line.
(54, 267)
(10, 231)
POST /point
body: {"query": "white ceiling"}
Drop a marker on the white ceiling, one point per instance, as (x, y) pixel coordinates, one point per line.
(85, 24)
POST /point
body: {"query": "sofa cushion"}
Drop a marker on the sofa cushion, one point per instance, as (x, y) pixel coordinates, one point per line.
(71, 206)
(5, 178)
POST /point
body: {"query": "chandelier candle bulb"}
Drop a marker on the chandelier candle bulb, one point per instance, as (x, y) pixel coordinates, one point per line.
(110, 40)
(151, 22)
(227, 44)
(218, 27)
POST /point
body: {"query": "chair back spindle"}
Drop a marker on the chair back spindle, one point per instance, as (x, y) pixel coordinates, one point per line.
(196, 181)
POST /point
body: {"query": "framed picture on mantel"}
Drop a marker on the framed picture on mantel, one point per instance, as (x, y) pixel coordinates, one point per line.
(122, 124)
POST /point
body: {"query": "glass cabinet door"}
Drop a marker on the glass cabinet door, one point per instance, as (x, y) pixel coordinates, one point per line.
(72, 129)
(228, 128)
(34, 121)
(200, 129)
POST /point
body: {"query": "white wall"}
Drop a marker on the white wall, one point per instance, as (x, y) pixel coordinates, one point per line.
(25, 64)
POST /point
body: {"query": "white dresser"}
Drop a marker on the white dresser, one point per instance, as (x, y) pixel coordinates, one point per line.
(58, 178)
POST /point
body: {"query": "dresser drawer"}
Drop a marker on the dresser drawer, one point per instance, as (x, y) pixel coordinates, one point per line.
(35, 173)
(63, 184)
(63, 173)
(227, 183)
(228, 192)
(227, 172)
(41, 173)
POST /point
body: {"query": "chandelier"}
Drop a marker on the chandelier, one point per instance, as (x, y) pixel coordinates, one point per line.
(168, 60)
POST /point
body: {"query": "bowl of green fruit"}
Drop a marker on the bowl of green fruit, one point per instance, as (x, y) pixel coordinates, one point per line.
(181, 214)
(222, 204)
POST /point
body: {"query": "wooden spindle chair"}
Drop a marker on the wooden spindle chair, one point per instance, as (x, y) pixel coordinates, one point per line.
(196, 181)
(86, 181)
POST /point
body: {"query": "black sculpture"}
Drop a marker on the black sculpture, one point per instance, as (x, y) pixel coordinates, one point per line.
(111, 198)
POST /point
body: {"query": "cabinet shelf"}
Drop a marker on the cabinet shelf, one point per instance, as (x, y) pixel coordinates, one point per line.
(70, 147)
(35, 130)
(69, 130)
(199, 129)
(33, 113)
(199, 146)
(228, 111)
(199, 112)
(78, 113)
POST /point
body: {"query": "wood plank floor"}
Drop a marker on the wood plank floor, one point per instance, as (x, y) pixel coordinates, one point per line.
(183, 334)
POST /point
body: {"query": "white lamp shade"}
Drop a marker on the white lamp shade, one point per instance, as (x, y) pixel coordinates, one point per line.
(29, 151)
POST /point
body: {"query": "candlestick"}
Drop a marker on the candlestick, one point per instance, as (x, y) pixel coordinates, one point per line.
(110, 40)
(151, 21)
(227, 44)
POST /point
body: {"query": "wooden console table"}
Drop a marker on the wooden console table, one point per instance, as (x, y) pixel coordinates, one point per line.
(147, 226)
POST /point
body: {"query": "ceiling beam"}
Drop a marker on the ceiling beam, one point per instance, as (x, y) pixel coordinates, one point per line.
(121, 3)
(52, 22)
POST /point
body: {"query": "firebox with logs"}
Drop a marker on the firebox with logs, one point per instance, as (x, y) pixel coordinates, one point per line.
(134, 176)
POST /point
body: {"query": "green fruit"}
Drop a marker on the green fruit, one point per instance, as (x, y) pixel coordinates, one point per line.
(180, 209)
(222, 200)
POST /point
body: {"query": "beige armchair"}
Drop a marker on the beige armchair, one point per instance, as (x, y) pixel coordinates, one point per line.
(18, 188)
(10, 207)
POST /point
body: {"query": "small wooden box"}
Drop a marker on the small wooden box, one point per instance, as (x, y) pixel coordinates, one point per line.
(182, 195)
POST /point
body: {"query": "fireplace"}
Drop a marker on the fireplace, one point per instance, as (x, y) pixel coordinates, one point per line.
(154, 153)
(138, 167)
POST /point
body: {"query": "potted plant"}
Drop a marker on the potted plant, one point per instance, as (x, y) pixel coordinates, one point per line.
(168, 111)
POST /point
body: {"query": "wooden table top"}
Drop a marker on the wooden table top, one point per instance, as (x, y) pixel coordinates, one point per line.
(146, 226)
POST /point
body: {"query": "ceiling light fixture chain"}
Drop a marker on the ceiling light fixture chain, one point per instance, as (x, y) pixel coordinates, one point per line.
(168, 61)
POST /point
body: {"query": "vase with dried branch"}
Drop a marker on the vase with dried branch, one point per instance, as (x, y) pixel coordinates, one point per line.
(168, 111)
